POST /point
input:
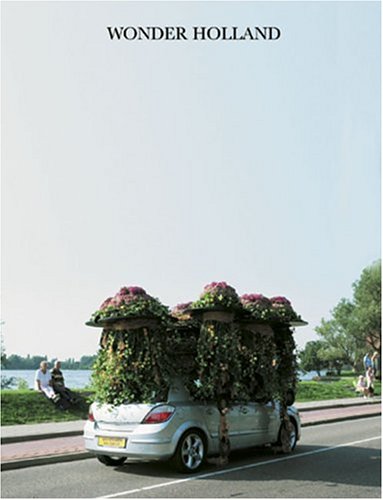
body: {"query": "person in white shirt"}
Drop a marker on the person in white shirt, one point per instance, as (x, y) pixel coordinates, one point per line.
(43, 381)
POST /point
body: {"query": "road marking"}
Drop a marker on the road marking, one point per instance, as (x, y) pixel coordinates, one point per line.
(340, 422)
(240, 468)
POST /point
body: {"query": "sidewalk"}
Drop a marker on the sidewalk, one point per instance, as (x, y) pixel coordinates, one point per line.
(34, 444)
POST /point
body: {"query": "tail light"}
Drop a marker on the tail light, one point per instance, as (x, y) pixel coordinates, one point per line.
(91, 416)
(159, 414)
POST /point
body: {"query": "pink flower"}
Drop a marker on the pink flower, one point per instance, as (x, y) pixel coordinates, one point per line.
(253, 297)
(280, 301)
(136, 290)
(131, 290)
(214, 285)
(106, 303)
(179, 308)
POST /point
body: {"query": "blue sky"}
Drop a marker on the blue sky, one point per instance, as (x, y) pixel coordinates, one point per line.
(173, 164)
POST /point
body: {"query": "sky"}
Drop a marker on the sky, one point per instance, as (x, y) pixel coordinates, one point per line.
(169, 165)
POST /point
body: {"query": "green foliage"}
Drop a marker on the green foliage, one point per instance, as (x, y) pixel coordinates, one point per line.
(353, 325)
(286, 361)
(311, 357)
(259, 376)
(216, 358)
(343, 344)
(16, 362)
(130, 302)
(367, 300)
(22, 384)
(131, 366)
(2, 353)
(218, 362)
(7, 382)
(218, 295)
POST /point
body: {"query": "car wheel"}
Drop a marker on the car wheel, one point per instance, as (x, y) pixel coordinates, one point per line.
(191, 452)
(291, 438)
(106, 460)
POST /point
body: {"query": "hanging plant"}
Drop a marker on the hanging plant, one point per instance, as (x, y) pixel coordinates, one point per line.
(258, 352)
(218, 296)
(131, 367)
(286, 370)
(258, 306)
(129, 302)
(132, 363)
(181, 345)
(218, 354)
(282, 310)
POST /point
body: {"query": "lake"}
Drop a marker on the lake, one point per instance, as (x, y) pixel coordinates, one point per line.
(74, 379)
(78, 379)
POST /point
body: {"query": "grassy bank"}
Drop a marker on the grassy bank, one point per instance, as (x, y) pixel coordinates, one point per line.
(329, 389)
(30, 407)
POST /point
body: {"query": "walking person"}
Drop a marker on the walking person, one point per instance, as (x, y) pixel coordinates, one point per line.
(375, 360)
(367, 362)
(370, 381)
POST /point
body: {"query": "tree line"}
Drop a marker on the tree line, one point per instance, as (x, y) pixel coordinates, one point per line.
(353, 329)
(16, 362)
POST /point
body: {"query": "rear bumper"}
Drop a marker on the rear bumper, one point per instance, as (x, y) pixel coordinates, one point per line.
(156, 445)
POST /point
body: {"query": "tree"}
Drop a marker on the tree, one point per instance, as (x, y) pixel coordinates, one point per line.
(6, 382)
(367, 300)
(311, 358)
(3, 354)
(355, 323)
(344, 346)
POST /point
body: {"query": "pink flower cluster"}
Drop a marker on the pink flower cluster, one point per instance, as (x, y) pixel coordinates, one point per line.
(214, 284)
(280, 301)
(124, 296)
(181, 308)
(255, 297)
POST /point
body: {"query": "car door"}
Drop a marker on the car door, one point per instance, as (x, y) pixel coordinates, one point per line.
(234, 418)
(264, 421)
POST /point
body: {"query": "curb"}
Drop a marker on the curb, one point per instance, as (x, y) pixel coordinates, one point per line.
(51, 459)
(71, 457)
(338, 405)
(340, 419)
(36, 437)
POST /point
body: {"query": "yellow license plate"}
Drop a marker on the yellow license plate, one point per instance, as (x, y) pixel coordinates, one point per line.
(112, 442)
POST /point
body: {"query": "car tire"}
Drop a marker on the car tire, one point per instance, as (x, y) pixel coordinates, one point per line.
(110, 461)
(190, 453)
(293, 436)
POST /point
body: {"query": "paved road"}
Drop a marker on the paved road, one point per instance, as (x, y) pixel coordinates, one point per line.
(332, 460)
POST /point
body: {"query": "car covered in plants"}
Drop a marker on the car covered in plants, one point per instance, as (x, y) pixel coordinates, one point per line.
(181, 429)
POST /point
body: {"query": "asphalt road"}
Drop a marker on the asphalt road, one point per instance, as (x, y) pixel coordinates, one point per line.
(332, 460)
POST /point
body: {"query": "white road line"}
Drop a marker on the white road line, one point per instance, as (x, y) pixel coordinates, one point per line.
(340, 422)
(235, 469)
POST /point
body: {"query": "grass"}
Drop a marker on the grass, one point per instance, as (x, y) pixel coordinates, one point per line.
(31, 407)
(336, 389)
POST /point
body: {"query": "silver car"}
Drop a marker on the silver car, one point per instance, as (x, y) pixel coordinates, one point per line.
(181, 429)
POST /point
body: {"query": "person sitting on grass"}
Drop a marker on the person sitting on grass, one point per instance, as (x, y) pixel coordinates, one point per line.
(361, 386)
(43, 382)
(59, 384)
